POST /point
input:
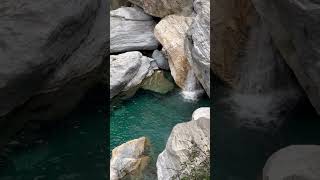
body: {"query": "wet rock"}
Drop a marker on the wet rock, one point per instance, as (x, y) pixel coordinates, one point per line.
(184, 138)
(295, 30)
(158, 83)
(131, 29)
(198, 43)
(299, 162)
(129, 159)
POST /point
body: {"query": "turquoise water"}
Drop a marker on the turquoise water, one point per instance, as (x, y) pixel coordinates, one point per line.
(151, 115)
(72, 149)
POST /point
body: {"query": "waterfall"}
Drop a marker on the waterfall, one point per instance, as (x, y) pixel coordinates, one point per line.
(192, 89)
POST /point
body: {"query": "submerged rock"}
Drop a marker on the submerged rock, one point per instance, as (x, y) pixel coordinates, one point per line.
(129, 159)
(298, 162)
(295, 30)
(198, 43)
(127, 72)
(158, 83)
(51, 52)
(171, 32)
(161, 8)
(185, 138)
(131, 29)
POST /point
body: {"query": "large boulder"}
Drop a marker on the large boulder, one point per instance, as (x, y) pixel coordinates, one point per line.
(184, 139)
(198, 43)
(231, 20)
(127, 72)
(295, 29)
(129, 159)
(131, 29)
(51, 53)
(298, 162)
(161, 8)
(171, 32)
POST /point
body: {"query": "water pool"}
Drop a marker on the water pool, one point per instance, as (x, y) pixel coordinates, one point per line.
(151, 115)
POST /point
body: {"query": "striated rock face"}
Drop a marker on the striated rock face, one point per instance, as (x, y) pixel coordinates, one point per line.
(161, 60)
(158, 83)
(198, 43)
(161, 8)
(131, 29)
(129, 159)
(51, 52)
(231, 21)
(127, 71)
(295, 29)
(171, 32)
(183, 137)
(300, 162)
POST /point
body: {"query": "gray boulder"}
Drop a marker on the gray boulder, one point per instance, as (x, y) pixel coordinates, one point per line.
(131, 29)
(198, 43)
(295, 30)
(127, 72)
(183, 138)
(51, 53)
(160, 59)
(297, 162)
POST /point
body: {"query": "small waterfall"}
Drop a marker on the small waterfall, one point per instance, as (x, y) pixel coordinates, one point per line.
(192, 89)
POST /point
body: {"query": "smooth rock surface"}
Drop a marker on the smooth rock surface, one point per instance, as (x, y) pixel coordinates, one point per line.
(161, 60)
(297, 162)
(171, 32)
(161, 8)
(180, 141)
(198, 43)
(129, 159)
(51, 52)
(295, 29)
(127, 71)
(131, 29)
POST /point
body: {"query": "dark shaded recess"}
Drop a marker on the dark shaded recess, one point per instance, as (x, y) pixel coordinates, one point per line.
(240, 153)
(35, 131)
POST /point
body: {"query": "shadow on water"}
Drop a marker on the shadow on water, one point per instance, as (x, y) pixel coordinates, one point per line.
(70, 148)
(240, 151)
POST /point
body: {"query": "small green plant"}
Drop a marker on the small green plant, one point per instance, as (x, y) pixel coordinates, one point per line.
(197, 166)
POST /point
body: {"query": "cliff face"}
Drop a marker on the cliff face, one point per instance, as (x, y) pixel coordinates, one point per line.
(51, 53)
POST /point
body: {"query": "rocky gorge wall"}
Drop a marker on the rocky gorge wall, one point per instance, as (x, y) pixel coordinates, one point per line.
(148, 38)
(51, 52)
(267, 54)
